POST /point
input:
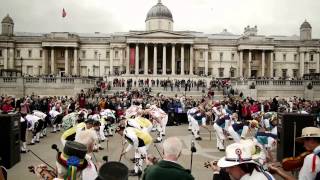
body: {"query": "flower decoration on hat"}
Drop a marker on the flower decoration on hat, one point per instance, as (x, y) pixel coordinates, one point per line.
(238, 153)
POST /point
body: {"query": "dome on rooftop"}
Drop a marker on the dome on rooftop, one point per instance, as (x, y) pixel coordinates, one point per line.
(305, 24)
(159, 11)
(7, 19)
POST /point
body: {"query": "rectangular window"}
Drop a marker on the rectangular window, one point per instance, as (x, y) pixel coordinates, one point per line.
(107, 54)
(232, 56)
(253, 56)
(116, 54)
(29, 53)
(18, 53)
(62, 54)
(311, 57)
(84, 54)
(40, 53)
(284, 57)
(221, 56)
(295, 57)
(274, 57)
(284, 73)
(232, 70)
(209, 54)
(274, 72)
(95, 55)
(295, 72)
(201, 55)
(221, 72)
(0, 52)
(312, 71)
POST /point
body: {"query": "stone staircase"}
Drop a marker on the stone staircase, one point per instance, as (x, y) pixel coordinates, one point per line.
(160, 90)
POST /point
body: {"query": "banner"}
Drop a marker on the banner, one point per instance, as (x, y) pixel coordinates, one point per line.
(132, 56)
(64, 13)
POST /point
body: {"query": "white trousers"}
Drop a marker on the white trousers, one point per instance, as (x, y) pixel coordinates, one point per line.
(140, 155)
(220, 136)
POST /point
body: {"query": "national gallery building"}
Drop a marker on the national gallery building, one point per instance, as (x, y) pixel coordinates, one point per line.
(159, 51)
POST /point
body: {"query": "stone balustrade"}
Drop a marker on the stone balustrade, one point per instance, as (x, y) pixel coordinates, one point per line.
(20, 86)
(284, 82)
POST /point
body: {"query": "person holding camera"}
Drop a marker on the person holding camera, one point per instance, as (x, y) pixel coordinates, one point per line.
(168, 168)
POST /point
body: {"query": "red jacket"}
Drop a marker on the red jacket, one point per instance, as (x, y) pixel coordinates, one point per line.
(7, 108)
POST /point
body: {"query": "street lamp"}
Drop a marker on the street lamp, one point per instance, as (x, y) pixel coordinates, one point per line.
(21, 61)
(99, 65)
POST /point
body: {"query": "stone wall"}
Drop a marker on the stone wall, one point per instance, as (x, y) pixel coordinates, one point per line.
(19, 87)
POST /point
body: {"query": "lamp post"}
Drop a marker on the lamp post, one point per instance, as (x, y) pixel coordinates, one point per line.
(251, 63)
(21, 61)
(23, 86)
(99, 65)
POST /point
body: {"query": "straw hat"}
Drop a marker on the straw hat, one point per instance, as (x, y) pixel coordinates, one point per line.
(309, 132)
(236, 154)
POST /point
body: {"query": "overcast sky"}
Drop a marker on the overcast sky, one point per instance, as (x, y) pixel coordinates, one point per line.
(273, 17)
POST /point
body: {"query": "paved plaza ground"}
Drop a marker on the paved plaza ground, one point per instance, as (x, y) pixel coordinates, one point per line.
(206, 151)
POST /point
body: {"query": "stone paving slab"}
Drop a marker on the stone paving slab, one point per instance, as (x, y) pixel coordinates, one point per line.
(206, 151)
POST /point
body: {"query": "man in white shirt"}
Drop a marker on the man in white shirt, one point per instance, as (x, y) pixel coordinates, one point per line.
(36, 127)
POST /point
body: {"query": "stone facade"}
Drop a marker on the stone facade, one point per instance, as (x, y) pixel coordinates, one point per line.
(160, 51)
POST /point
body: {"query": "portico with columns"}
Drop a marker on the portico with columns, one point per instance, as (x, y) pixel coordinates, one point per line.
(255, 61)
(158, 57)
(159, 50)
(60, 58)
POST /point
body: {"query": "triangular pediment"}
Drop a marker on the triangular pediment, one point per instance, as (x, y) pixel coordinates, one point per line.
(160, 34)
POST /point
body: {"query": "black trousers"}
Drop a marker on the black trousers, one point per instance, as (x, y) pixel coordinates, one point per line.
(23, 131)
(38, 127)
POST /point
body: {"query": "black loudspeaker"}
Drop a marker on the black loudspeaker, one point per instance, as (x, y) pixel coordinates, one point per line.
(10, 139)
(290, 126)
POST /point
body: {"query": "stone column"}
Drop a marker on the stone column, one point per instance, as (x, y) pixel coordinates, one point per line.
(307, 59)
(173, 59)
(11, 58)
(44, 62)
(136, 62)
(111, 61)
(5, 58)
(182, 59)
(66, 63)
(121, 60)
(53, 63)
(271, 64)
(164, 59)
(262, 64)
(206, 62)
(75, 62)
(249, 64)
(241, 64)
(155, 59)
(128, 60)
(317, 61)
(146, 59)
(301, 64)
(191, 60)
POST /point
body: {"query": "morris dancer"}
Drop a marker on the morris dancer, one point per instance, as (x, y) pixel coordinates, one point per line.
(43, 116)
(56, 119)
(138, 139)
(160, 119)
(198, 119)
(36, 124)
(221, 127)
